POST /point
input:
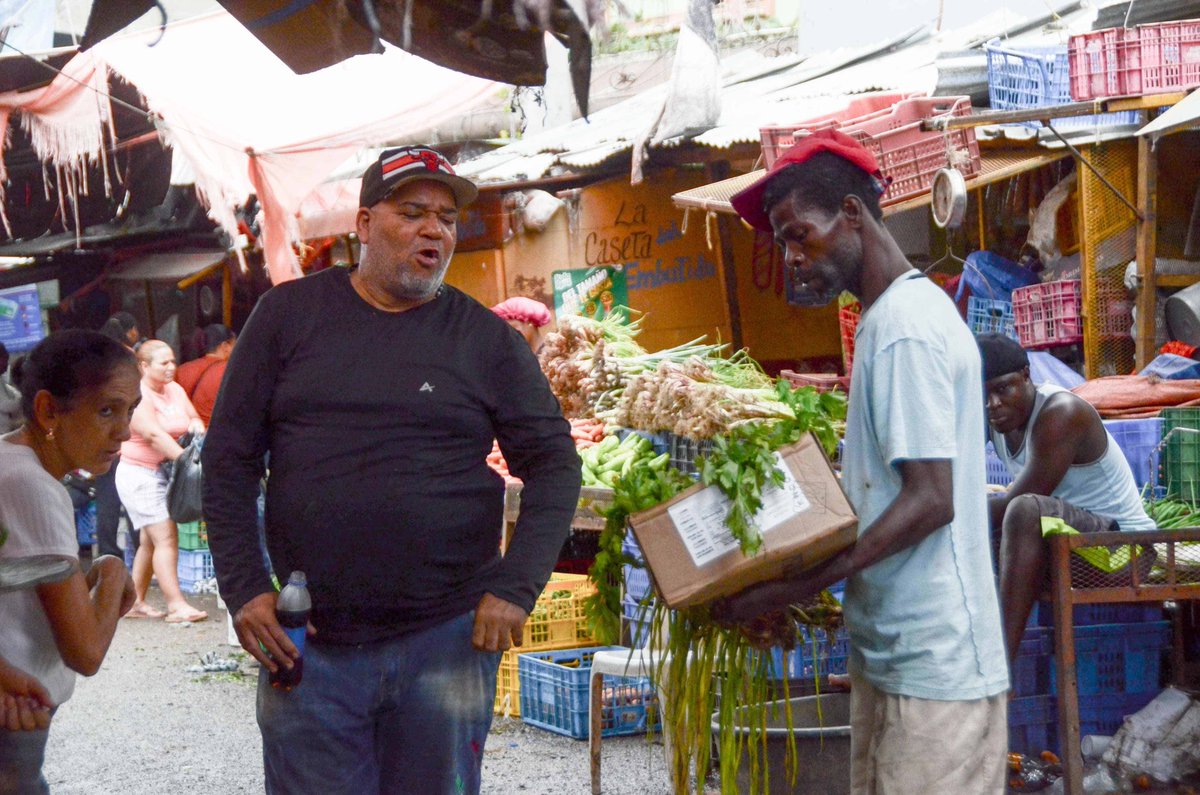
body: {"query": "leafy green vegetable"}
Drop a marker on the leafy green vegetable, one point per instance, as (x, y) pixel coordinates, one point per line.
(743, 463)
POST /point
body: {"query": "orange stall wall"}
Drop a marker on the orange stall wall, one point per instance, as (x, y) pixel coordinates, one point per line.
(673, 276)
(777, 334)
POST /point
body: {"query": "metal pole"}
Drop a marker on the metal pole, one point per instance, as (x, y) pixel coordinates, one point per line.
(1079, 156)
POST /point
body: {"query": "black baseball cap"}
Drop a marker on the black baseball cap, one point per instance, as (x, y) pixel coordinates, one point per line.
(398, 166)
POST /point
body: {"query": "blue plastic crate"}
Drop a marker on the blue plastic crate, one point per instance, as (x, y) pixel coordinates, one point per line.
(1034, 77)
(997, 473)
(1087, 615)
(1031, 671)
(85, 524)
(1118, 658)
(195, 566)
(1138, 440)
(1032, 725)
(986, 316)
(831, 656)
(554, 695)
(637, 618)
(630, 546)
(659, 441)
(637, 583)
(1103, 714)
(1033, 721)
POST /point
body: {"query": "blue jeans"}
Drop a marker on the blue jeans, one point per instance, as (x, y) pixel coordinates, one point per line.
(401, 716)
(21, 756)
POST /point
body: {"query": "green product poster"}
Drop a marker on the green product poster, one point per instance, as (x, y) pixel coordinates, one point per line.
(590, 292)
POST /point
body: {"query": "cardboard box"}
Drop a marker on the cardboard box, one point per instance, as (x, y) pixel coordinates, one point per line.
(693, 558)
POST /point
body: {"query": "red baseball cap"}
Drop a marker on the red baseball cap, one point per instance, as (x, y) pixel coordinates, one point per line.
(749, 202)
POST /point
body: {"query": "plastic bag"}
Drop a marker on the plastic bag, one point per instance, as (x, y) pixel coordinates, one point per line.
(993, 277)
(184, 486)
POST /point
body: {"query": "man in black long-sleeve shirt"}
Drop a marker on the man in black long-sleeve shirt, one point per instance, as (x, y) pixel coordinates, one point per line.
(377, 394)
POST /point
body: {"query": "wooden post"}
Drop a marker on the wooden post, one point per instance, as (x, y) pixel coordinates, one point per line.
(149, 287)
(1147, 248)
(227, 295)
(1064, 660)
(726, 262)
(594, 728)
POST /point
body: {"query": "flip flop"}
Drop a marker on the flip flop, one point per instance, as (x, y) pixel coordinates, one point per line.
(177, 618)
(145, 612)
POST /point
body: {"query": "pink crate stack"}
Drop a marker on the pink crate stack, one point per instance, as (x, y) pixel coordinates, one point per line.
(1148, 59)
(776, 139)
(1049, 314)
(907, 154)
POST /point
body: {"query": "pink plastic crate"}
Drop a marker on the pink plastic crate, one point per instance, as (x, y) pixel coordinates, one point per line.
(776, 139)
(1170, 58)
(1149, 59)
(848, 317)
(1048, 314)
(906, 153)
(910, 155)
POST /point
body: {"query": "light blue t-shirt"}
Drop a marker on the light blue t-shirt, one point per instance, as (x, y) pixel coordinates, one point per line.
(924, 622)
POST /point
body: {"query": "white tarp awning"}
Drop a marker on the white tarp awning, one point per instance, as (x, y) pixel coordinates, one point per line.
(1183, 115)
(168, 265)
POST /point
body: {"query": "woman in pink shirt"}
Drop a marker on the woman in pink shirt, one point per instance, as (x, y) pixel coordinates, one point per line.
(164, 415)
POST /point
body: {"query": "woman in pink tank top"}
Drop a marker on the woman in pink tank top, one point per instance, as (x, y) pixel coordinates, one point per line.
(164, 414)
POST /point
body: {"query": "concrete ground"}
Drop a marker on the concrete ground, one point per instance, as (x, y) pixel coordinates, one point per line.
(144, 725)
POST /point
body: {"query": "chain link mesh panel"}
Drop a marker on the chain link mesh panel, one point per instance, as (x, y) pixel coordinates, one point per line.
(1109, 243)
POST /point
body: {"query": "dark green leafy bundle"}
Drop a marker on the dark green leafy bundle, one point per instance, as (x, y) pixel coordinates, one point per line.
(699, 652)
(643, 487)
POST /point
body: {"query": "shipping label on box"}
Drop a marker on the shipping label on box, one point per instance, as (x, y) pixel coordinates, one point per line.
(701, 517)
(693, 557)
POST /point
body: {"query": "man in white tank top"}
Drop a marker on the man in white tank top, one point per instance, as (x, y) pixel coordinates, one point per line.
(1068, 471)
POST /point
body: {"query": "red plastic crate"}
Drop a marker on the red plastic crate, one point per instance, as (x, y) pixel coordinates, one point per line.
(1048, 314)
(848, 323)
(907, 154)
(1149, 59)
(778, 138)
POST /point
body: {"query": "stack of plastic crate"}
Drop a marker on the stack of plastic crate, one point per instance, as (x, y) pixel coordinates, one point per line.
(1181, 453)
(1138, 440)
(997, 473)
(1119, 651)
(1034, 77)
(1156, 58)
(637, 603)
(986, 316)
(193, 535)
(1048, 314)
(684, 453)
(556, 622)
(195, 570)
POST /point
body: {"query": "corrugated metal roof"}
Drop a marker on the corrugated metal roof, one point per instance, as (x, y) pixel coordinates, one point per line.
(756, 92)
(996, 166)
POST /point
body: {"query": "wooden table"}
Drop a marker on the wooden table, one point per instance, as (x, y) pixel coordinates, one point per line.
(593, 501)
(1175, 575)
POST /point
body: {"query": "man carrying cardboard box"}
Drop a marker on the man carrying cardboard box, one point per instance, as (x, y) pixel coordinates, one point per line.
(927, 666)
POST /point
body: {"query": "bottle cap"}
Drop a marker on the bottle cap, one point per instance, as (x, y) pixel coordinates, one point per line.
(297, 578)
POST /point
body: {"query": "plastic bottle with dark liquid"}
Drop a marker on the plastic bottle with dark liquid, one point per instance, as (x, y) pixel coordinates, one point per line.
(292, 609)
